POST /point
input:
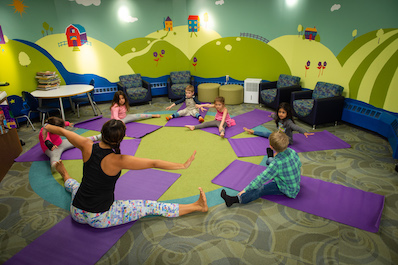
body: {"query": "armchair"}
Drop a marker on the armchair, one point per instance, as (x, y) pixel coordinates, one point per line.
(177, 82)
(274, 93)
(322, 105)
(136, 89)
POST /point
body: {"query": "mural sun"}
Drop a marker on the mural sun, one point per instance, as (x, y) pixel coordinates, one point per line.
(19, 6)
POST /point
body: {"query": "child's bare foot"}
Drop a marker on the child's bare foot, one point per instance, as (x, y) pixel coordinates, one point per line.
(248, 130)
(222, 133)
(202, 202)
(59, 166)
(156, 116)
(191, 127)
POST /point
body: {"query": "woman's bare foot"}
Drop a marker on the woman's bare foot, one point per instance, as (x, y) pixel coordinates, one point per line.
(156, 116)
(59, 166)
(191, 127)
(248, 130)
(202, 202)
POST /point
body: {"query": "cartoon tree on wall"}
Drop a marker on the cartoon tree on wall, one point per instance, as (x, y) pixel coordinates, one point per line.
(300, 29)
(24, 59)
(379, 34)
(47, 27)
(354, 33)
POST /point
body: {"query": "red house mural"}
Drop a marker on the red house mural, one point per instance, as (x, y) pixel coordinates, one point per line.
(76, 35)
(310, 33)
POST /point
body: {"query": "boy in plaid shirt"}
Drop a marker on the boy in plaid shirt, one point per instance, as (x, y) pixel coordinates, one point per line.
(284, 172)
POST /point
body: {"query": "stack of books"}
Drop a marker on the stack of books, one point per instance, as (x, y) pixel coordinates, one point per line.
(47, 80)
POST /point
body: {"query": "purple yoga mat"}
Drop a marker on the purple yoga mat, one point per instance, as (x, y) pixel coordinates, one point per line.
(249, 120)
(138, 130)
(94, 124)
(186, 120)
(127, 147)
(69, 242)
(257, 146)
(336, 202)
(133, 129)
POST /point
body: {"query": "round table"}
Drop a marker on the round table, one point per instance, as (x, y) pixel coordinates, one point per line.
(207, 92)
(233, 94)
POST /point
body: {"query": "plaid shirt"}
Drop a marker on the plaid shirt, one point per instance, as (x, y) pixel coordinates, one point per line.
(285, 170)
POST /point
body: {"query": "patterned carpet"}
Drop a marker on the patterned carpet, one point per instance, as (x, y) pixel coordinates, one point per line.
(261, 232)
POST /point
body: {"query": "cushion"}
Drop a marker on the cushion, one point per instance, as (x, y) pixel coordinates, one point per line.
(287, 80)
(179, 89)
(303, 107)
(131, 81)
(180, 77)
(268, 95)
(327, 90)
(137, 93)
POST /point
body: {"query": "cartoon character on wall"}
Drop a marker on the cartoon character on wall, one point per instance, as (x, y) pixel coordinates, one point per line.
(76, 36)
(193, 24)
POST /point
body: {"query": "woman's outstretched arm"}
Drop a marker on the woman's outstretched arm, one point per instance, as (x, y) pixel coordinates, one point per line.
(78, 141)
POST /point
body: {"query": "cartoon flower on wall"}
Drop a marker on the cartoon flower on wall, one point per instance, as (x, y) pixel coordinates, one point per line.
(307, 66)
(161, 55)
(323, 66)
(320, 68)
(195, 60)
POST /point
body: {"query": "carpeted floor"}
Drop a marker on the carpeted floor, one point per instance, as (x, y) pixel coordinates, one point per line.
(261, 232)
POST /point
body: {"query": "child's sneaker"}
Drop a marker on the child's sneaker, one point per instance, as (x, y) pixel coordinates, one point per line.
(169, 118)
(201, 119)
(270, 152)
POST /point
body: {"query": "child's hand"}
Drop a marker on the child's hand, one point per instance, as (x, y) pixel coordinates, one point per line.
(71, 124)
(169, 107)
(307, 134)
(54, 147)
(201, 108)
(240, 193)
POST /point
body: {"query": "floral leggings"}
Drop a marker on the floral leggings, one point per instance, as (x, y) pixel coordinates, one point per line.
(121, 211)
(136, 117)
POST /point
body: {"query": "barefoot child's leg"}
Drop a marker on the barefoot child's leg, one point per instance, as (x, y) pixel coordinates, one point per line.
(248, 130)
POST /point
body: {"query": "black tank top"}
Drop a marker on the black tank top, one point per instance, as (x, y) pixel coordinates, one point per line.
(96, 192)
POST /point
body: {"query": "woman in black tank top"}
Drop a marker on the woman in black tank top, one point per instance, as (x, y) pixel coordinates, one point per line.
(93, 200)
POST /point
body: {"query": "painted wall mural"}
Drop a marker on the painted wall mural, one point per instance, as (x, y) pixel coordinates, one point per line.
(366, 66)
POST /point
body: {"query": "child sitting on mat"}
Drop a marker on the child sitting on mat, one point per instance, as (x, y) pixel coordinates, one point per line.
(52, 145)
(222, 118)
(284, 173)
(191, 103)
(284, 122)
(120, 106)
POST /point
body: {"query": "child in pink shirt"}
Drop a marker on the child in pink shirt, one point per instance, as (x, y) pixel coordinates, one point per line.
(120, 106)
(222, 118)
(53, 145)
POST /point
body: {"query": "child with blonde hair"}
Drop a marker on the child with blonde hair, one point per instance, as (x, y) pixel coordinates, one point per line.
(221, 120)
(192, 104)
(284, 172)
(120, 106)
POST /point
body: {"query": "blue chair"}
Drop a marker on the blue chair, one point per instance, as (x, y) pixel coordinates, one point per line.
(84, 99)
(177, 82)
(274, 93)
(324, 104)
(136, 89)
(19, 109)
(33, 104)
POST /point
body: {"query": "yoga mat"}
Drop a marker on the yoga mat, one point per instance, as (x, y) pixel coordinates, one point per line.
(257, 146)
(249, 120)
(185, 120)
(336, 202)
(94, 124)
(127, 147)
(69, 242)
(133, 129)
(138, 130)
